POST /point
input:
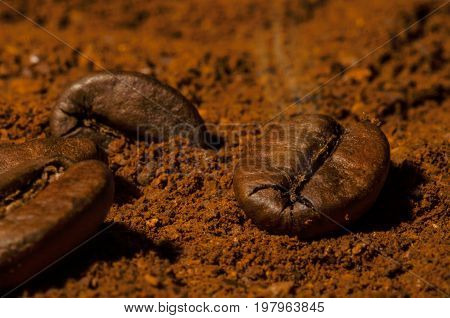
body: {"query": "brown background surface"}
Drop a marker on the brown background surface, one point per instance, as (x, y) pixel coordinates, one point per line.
(245, 61)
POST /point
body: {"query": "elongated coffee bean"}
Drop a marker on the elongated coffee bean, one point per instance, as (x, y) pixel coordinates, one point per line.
(313, 176)
(102, 105)
(47, 209)
(71, 149)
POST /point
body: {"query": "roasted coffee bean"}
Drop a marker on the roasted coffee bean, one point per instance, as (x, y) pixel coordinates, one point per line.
(313, 176)
(68, 149)
(22, 182)
(44, 191)
(104, 105)
(47, 208)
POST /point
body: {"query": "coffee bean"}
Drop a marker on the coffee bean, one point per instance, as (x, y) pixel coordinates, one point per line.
(313, 176)
(68, 149)
(22, 182)
(104, 105)
(47, 208)
(48, 188)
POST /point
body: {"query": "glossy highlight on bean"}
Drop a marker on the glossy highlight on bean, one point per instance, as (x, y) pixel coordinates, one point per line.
(313, 176)
(49, 203)
(104, 105)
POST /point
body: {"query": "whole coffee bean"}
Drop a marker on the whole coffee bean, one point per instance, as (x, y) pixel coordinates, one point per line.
(69, 149)
(22, 182)
(105, 105)
(313, 176)
(48, 209)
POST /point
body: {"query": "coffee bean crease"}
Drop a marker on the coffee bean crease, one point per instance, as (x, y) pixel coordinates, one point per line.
(311, 177)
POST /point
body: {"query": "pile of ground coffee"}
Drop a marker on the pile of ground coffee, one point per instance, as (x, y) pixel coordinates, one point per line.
(180, 232)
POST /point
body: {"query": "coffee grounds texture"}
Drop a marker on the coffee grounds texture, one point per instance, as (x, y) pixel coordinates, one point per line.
(175, 229)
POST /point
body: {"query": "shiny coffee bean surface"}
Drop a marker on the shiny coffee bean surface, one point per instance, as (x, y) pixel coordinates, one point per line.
(49, 203)
(104, 105)
(67, 149)
(313, 176)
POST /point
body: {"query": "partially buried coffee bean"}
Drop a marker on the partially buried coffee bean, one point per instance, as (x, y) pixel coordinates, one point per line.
(48, 203)
(104, 105)
(313, 176)
(67, 149)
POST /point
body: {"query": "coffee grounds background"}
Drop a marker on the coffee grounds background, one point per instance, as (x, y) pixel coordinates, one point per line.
(180, 231)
